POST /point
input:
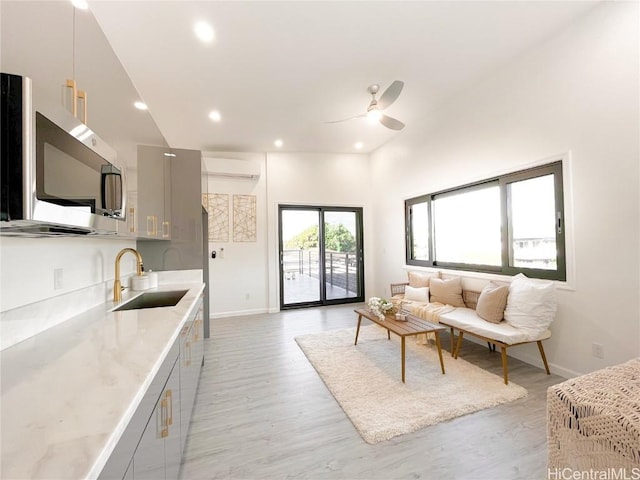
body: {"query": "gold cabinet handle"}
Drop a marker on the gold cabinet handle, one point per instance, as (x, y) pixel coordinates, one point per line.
(82, 95)
(196, 326)
(169, 397)
(74, 92)
(132, 219)
(165, 229)
(187, 360)
(152, 225)
(164, 429)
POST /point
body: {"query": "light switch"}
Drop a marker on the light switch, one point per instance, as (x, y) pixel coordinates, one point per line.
(57, 279)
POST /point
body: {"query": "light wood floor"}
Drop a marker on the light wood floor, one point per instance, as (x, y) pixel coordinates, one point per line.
(262, 412)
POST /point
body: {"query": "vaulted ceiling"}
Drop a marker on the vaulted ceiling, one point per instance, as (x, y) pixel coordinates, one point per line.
(283, 69)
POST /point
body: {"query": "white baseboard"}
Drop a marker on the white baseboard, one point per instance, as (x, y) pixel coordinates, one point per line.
(238, 313)
(537, 361)
(532, 359)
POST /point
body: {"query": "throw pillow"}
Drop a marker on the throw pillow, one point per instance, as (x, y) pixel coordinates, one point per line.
(419, 294)
(531, 304)
(492, 302)
(447, 291)
(421, 279)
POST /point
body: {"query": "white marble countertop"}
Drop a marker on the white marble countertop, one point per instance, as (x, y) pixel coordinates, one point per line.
(69, 392)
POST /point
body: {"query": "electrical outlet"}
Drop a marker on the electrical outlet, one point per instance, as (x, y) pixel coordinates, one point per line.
(57, 279)
(597, 350)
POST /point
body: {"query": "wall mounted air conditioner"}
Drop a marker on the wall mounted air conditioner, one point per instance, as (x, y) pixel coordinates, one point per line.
(232, 168)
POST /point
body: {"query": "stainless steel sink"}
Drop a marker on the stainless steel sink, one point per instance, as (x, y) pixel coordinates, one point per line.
(153, 300)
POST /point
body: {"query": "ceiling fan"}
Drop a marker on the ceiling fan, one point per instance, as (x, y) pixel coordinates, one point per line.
(374, 110)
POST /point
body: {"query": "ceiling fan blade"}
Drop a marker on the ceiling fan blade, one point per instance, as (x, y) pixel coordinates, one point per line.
(345, 119)
(390, 94)
(391, 122)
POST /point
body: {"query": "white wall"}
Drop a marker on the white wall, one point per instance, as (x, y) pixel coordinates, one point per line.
(576, 93)
(316, 179)
(238, 275)
(30, 300)
(245, 280)
(27, 266)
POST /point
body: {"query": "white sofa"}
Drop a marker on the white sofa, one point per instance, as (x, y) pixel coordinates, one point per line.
(465, 320)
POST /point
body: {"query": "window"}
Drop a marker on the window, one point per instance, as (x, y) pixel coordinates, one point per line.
(470, 213)
(509, 224)
(418, 247)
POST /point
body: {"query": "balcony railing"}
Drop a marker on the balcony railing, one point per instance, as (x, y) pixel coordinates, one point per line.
(341, 268)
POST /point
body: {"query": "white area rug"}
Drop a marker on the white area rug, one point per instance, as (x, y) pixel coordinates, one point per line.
(366, 381)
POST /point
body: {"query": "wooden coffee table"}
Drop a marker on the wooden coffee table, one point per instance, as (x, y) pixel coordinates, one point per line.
(412, 327)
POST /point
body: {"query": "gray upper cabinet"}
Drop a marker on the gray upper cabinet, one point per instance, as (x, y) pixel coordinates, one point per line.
(184, 250)
(153, 212)
(52, 42)
(37, 42)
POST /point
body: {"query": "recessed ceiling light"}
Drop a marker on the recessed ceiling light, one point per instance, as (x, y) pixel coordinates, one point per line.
(215, 116)
(204, 32)
(169, 154)
(81, 4)
(140, 105)
(358, 145)
(278, 143)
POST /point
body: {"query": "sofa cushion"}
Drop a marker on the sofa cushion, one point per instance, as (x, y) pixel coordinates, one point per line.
(421, 279)
(492, 302)
(467, 319)
(531, 304)
(448, 292)
(418, 294)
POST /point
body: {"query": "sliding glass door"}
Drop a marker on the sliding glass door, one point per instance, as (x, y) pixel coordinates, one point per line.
(341, 255)
(299, 256)
(321, 256)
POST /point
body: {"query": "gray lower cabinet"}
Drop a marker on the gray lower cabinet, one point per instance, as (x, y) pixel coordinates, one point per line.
(159, 452)
(152, 444)
(191, 356)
